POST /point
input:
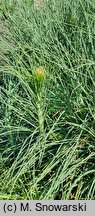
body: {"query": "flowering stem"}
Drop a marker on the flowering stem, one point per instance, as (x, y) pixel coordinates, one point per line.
(40, 114)
(39, 81)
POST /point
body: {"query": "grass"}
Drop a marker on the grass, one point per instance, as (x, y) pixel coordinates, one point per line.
(47, 98)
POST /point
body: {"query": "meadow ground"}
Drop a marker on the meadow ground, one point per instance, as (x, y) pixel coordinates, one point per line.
(47, 100)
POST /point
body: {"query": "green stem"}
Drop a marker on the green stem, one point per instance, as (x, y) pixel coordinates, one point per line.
(40, 114)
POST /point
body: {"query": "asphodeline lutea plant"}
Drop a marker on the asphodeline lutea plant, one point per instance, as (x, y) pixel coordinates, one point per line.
(39, 77)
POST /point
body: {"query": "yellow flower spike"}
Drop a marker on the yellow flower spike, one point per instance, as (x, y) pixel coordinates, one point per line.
(39, 76)
(39, 73)
(10, 4)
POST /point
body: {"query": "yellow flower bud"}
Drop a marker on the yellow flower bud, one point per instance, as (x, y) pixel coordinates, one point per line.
(39, 78)
(39, 73)
(10, 4)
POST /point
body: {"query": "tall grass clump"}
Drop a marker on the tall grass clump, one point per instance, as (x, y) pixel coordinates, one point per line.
(47, 98)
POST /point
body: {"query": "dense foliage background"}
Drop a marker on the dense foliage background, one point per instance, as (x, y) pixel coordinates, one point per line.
(47, 99)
